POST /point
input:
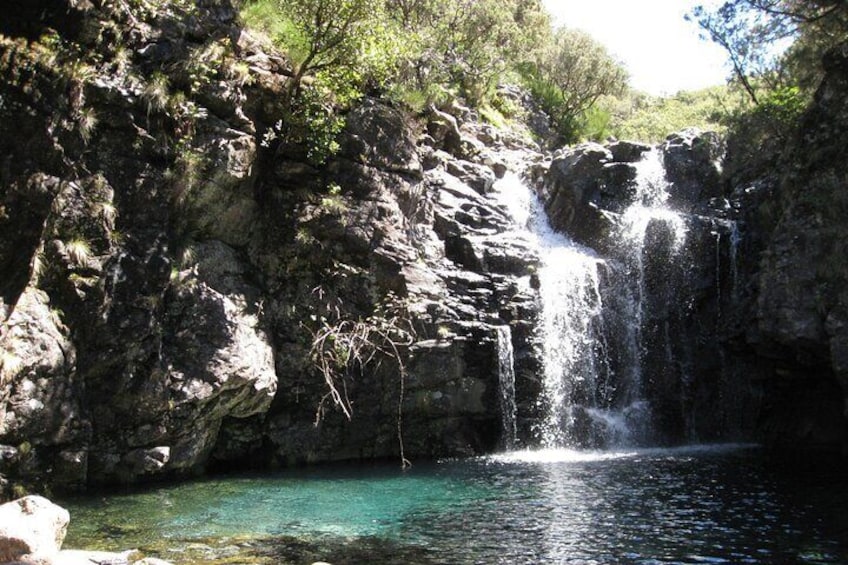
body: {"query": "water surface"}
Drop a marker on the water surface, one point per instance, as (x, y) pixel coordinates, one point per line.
(720, 504)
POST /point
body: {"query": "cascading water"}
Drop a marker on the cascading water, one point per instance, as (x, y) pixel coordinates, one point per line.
(648, 238)
(576, 368)
(575, 363)
(593, 312)
(731, 229)
(506, 372)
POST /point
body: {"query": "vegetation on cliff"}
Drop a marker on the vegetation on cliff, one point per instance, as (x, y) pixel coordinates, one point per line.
(775, 48)
(436, 51)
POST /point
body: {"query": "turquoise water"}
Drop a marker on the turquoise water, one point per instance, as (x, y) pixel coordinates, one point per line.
(723, 504)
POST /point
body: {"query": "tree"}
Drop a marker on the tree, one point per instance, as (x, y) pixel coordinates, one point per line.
(775, 44)
(336, 47)
(467, 45)
(338, 42)
(570, 75)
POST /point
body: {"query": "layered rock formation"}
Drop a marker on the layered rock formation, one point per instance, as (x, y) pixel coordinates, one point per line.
(168, 266)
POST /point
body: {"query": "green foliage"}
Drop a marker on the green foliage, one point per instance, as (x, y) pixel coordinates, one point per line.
(782, 106)
(86, 123)
(418, 99)
(341, 44)
(596, 123)
(156, 92)
(334, 202)
(638, 116)
(79, 251)
(465, 46)
(774, 44)
(186, 173)
(776, 48)
(568, 77)
(201, 65)
(337, 48)
(492, 115)
(423, 52)
(267, 17)
(758, 133)
(310, 125)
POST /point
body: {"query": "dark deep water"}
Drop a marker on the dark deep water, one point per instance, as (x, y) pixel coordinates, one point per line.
(720, 504)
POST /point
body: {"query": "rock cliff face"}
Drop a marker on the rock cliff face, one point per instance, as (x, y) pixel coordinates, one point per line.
(801, 309)
(167, 268)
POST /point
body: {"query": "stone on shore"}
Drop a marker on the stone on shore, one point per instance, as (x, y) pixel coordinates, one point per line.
(32, 530)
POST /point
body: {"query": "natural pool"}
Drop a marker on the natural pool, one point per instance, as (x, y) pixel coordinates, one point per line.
(718, 504)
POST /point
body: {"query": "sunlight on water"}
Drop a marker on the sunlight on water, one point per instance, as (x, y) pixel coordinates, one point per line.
(557, 455)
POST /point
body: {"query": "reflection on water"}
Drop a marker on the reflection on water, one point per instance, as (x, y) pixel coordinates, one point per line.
(725, 504)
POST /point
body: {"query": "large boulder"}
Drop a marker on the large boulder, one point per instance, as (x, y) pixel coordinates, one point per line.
(572, 192)
(692, 161)
(32, 530)
(41, 421)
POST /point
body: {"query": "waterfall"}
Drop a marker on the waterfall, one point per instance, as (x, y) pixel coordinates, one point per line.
(735, 240)
(594, 313)
(576, 367)
(575, 363)
(647, 241)
(733, 237)
(506, 374)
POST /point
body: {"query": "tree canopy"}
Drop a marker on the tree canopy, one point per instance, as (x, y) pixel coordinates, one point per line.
(569, 74)
(427, 49)
(775, 44)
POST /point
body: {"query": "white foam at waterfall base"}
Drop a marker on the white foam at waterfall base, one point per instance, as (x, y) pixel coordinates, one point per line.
(560, 455)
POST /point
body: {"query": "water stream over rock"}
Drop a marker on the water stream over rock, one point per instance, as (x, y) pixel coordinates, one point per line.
(598, 314)
(506, 373)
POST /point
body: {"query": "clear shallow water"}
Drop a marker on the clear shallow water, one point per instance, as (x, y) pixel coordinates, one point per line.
(726, 504)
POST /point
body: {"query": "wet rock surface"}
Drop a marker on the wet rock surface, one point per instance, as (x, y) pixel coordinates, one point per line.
(166, 268)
